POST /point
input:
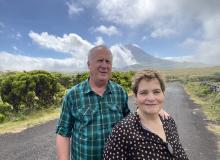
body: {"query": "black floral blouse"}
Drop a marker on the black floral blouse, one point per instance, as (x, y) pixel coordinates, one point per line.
(130, 141)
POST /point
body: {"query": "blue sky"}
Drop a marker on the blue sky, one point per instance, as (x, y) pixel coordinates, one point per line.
(57, 34)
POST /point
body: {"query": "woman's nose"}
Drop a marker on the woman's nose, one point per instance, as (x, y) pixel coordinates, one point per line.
(150, 97)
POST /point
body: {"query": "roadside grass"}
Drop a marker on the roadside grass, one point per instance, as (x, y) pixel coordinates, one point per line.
(211, 111)
(38, 117)
(209, 108)
(213, 116)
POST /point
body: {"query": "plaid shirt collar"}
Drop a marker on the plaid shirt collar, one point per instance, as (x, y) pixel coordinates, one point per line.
(87, 88)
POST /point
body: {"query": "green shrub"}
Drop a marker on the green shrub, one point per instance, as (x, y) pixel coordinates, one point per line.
(197, 89)
(2, 117)
(217, 98)
(4, 107)
(34, 88)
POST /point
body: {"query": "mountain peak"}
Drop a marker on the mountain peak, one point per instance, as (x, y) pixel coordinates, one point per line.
(146, 60)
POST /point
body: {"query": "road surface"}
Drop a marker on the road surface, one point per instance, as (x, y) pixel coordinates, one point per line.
(38, 143)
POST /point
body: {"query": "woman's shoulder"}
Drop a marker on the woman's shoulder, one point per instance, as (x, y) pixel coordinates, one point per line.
(126, 123)
(169, 121)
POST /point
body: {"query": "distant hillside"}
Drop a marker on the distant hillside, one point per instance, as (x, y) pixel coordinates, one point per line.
(145, 60)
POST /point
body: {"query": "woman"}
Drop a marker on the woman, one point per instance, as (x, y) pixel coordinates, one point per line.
(144, 134)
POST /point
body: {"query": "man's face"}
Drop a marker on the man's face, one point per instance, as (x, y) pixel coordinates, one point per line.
(100, 66)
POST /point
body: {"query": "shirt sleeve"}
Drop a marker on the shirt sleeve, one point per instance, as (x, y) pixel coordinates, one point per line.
(126, 109)
(117, 145)
(179, 148)
(65, 122)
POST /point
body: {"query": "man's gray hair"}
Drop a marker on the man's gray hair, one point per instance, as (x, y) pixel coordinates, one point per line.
(94, 49)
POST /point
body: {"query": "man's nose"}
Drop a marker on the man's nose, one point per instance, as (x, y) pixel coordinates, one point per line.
(104, 64)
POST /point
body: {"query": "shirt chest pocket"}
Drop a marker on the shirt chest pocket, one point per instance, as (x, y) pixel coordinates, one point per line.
(112, 115)
(85, 121)
(97, 118)
(85, 116)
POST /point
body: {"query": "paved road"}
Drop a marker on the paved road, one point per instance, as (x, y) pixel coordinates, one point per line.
(38, 143)
(199, 143)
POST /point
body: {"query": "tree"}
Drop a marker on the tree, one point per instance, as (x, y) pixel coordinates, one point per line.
(31, 89)
(10, 92)
(46, 86)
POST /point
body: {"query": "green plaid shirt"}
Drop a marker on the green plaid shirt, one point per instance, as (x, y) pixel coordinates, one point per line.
(89, 118)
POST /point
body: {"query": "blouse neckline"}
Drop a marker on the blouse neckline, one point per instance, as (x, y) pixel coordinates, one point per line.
(144, 129)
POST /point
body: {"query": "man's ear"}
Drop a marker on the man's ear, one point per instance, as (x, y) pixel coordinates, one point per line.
(88, 64)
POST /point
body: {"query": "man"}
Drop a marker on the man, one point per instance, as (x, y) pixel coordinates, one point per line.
(90, 110)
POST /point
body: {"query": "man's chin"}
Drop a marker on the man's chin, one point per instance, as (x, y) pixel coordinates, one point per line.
(104, 77)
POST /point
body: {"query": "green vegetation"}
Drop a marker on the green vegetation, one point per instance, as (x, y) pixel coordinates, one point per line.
(210, 101)
(124, 79)
(34, 118)
(23, 95)
(203, 85)
(27, 90)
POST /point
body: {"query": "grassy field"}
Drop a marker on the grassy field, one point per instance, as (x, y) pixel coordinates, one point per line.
(31, 120)
(193, 72)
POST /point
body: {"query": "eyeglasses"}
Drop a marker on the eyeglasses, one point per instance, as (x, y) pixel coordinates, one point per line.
(170, 148)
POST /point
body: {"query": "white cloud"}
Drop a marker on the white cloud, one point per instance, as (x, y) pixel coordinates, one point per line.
(9, 61)
(18, 35)
(126, 12)
(87, 4)
(78, 48)
(199, 19)
(208, 52)
(157, 18)
(189, 43)
(180, 59)
(206, 47)
(133, 44)
(71, 44)
(163, 32)
(212, 27)
(99, 41)
(122, 57)
(15, 48)
(73, 8)
(157, 13)
(13, 62)
(111, 30)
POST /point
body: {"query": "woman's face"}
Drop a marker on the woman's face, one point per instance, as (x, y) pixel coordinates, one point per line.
(150, 97)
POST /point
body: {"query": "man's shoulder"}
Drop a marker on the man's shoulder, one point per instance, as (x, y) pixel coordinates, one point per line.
(77, 88)
(115, 85)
